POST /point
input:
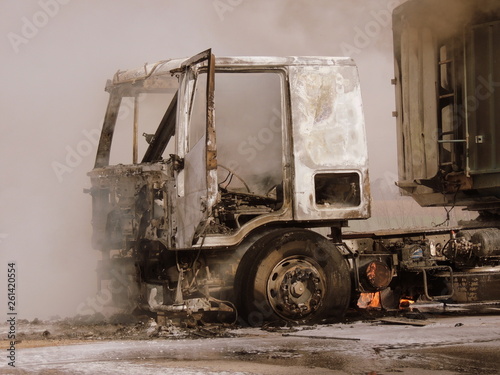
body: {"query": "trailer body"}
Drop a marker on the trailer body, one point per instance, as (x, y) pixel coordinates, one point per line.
(447, 75)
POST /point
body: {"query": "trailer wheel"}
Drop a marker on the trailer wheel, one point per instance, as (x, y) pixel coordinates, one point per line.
(293, 275)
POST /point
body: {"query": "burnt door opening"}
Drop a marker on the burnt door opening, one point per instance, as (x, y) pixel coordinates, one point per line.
(250, 152)
(196, 176)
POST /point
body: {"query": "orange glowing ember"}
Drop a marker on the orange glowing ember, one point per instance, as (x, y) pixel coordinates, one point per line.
(369, 301)
(405, 303)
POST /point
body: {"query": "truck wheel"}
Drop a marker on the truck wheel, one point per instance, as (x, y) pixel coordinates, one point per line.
(294, 275)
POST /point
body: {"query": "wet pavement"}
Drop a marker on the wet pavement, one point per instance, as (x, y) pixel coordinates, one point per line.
(434, 344)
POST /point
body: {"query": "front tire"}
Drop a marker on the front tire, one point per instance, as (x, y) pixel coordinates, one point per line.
(292, 275)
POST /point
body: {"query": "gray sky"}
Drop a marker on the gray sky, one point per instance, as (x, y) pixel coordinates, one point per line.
(56, 58)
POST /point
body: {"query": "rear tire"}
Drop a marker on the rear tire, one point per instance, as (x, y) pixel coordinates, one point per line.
(292, 275)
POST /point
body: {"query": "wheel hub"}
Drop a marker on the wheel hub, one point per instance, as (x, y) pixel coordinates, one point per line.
(296, 287)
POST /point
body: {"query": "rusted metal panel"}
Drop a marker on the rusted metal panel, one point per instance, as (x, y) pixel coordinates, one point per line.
(164, 69)
(211, 151)
(163, 134)
(329, 137)
(102, 158)
(136, 130)
(121, 196)
(161, 68)
(197, 181)
(192, 195)
(480, 285)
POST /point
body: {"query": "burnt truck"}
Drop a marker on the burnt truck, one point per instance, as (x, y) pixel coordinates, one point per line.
(224, 185)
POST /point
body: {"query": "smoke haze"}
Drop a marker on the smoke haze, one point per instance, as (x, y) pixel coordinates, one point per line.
(56, 58)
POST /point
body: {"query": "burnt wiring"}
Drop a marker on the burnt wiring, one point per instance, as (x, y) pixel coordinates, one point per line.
(193, 264)
(230, 176)
(204, 235)
(210, 298)
(201, 247)
(448, 211)
(444, 250)
(196, 271)
(230, 304)
(447, 220)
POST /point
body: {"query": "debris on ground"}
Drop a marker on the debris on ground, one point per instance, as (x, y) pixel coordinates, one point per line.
(98, 327)
(120, 327)
(406, 321)
(321, 337)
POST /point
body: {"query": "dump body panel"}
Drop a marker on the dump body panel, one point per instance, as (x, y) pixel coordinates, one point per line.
(483, 79)
(447, 103)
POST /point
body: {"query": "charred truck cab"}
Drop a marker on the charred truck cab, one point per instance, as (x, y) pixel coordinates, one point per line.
(238, 157)
(214, 175)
